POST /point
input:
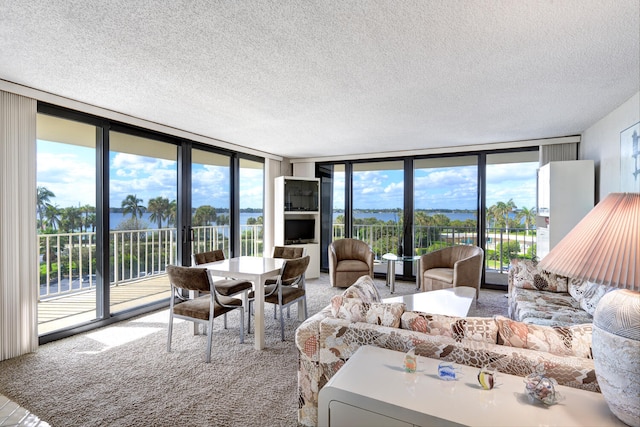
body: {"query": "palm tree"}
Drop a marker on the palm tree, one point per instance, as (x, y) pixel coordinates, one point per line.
(510, 207)
(43, 198)
(204, 215)
(422, 219)
(71, 219)
(493, 214)
(529, 216)
(132, 205)
(172, 216)
(159, 208)
(502, 211)
(86, 210)
(51, 217)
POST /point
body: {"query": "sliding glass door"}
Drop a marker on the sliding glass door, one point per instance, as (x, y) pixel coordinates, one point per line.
(66, 222)
(251, 225)
(143, 179)
(378, 206)
(510, 211)
(210, 201)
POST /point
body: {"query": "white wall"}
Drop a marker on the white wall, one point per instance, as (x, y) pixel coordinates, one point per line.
(601, 143)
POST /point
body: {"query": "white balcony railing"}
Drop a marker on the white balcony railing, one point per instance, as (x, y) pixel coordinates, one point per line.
(68, 263)
(67, 260)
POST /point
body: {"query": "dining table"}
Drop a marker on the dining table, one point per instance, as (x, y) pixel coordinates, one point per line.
(256, 270)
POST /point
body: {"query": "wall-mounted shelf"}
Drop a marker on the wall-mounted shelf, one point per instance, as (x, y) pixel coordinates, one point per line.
(297, 217)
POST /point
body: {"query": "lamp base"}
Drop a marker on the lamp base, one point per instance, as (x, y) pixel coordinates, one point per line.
(616, 353)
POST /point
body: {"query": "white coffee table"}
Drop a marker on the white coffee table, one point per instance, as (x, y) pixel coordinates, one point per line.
(451, 302)
(372, 389)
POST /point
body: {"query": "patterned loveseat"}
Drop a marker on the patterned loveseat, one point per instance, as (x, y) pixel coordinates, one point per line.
(543, 298)
(328, 339)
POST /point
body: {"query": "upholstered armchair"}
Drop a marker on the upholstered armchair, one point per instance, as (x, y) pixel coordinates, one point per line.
(349, 259)
(450, 267)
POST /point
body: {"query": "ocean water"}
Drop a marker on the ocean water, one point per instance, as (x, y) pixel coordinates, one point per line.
(116, 217)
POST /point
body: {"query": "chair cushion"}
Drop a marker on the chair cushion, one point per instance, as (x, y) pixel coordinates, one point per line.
(211, 256)
(441, 274)
(232, 287)
(268, 289)
(289, 294)
(288, 252)
(349, 265)
(198, 308)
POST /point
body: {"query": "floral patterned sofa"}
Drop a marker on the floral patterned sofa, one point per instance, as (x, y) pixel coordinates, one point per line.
(543, 298)
(328, 339)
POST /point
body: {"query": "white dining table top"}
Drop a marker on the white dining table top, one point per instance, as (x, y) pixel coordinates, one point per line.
(245, 265)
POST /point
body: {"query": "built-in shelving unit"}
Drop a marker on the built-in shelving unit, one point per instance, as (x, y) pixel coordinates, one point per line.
(297, 217)
(565, 195)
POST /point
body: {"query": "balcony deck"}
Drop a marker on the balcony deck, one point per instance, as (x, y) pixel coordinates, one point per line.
(75, 308)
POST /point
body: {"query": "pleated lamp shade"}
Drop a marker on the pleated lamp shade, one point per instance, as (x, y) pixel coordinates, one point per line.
(604, 247)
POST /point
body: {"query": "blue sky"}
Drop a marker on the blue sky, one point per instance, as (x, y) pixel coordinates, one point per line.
(69, 171)
(442, 188)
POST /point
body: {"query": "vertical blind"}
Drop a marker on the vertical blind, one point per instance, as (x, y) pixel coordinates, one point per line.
(558, 152)
(18, 250)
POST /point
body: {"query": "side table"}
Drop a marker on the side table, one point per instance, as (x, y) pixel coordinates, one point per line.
(391, 269)
(372, 389)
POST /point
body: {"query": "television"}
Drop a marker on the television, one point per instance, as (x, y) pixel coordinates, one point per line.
(299, 231)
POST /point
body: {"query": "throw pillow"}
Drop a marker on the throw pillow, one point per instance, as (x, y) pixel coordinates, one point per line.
(588, 294)
(364, 288)
(376, 313)
(559, 340)
(473, 328)
(526, 275)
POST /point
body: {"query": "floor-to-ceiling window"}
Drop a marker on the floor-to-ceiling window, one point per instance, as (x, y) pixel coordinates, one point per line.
(338, 207)
(510, 211)
(210, 201)
(445, 200)
(428, 202)
(143, 180)
(251, 204)
(66, 221)
(118, 203)
(378, 206)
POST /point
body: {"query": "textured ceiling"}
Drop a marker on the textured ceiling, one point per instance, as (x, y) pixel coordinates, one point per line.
(334, 77)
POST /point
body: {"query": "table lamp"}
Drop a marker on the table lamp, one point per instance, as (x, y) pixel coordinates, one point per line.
(604, 248)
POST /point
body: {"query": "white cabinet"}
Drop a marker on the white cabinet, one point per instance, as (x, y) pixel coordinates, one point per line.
(297, 217)
(372, 389)
(565, 195)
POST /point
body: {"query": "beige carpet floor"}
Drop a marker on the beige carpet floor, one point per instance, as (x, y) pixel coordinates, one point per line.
(122, 375)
